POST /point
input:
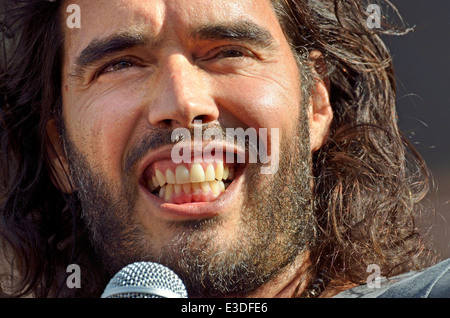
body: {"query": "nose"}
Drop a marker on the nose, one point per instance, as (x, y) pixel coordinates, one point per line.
(183, 95)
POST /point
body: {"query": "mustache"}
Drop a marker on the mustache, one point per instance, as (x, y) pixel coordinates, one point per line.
(156, 138)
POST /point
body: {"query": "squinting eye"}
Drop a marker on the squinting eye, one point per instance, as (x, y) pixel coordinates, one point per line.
(117, 66)
(230, 53)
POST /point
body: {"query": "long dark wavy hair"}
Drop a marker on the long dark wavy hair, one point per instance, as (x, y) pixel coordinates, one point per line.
(369, 186)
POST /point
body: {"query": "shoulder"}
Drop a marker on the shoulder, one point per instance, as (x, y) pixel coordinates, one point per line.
(432, 282)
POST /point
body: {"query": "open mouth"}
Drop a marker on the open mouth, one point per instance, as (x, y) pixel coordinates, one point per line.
(189, 182)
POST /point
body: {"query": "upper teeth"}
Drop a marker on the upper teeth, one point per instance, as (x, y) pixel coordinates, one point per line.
(196, 174)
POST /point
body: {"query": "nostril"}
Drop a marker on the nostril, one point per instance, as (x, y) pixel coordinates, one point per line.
(204, 119)
(166, 123)
(200, 118)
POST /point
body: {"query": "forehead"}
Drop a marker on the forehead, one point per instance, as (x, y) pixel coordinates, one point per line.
(101, 18)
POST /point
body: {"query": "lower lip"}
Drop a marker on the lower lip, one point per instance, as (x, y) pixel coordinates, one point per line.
(196, 210)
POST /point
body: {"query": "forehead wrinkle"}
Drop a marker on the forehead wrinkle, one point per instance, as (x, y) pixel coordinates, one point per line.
(239, 30)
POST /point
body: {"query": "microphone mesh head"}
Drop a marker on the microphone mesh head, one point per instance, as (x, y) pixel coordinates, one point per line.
(145, 280)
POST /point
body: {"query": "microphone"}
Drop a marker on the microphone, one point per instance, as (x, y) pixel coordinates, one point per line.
(145, 280)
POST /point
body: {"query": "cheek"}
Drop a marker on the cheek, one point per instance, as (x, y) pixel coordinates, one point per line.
(262, 103)
(102, 130)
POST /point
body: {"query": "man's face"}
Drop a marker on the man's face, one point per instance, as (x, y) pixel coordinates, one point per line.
(134, 72)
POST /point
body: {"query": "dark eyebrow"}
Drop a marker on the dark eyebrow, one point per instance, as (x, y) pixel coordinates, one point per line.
(99, 49)
(240, 31)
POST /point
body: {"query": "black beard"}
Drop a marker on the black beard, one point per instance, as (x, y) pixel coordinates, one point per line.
(275, 227)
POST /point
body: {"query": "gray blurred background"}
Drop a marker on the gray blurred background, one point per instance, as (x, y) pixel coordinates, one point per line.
(422, 63)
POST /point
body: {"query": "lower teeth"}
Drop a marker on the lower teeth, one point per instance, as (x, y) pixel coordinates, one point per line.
(194, 188)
